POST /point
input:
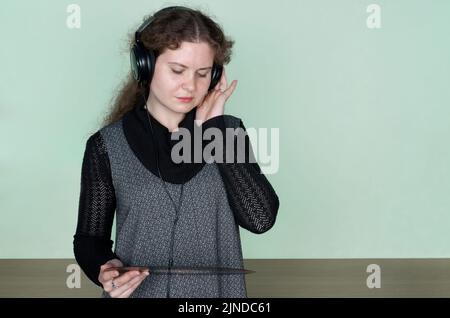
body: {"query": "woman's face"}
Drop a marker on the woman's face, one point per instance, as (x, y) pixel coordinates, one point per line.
(184, 72)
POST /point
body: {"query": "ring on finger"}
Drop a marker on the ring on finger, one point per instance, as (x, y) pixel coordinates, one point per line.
(114, 285)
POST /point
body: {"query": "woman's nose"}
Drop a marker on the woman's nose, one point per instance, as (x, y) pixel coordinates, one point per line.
(189, 84)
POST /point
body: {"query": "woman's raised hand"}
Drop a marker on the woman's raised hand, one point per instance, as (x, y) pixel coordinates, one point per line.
(213, 103)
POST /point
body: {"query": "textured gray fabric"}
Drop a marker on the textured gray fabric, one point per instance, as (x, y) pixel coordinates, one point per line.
(206, 233)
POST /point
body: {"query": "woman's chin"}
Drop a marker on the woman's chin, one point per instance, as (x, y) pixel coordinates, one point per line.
(183, 108)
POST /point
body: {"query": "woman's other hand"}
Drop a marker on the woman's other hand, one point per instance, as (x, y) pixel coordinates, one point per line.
(116, 285)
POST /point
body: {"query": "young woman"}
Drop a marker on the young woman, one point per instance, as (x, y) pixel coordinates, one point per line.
(179, 216)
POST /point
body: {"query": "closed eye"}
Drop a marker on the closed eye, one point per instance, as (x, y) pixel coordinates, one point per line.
(179, 72)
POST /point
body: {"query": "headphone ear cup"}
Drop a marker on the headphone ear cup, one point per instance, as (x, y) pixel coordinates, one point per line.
(216, 74)
(142, 63)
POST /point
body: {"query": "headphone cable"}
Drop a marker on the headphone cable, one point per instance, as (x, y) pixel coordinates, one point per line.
(167, 191)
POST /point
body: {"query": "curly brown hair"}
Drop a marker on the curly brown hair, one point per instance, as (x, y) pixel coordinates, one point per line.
(167, 30)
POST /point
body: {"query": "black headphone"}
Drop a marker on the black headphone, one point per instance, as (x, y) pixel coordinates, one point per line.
(143, 60)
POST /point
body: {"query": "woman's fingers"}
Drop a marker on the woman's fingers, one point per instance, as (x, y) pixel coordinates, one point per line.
(124, 286)
(107, 273)
(125, 278)
(132, 288)
(222, 83)
(114, 262)
(106, 266)
(223, 80)
(230, 89)
(118, 280)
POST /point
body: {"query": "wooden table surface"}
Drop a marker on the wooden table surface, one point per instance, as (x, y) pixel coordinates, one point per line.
(272, 278)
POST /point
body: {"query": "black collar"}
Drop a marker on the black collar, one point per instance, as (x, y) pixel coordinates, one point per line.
(137, 132)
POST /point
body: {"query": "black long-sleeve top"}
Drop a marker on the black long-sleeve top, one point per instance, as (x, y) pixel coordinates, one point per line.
(251, 197)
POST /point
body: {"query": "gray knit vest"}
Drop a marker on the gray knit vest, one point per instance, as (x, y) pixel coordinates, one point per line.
(205, 234)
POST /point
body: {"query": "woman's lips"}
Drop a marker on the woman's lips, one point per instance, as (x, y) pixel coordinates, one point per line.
(185, 100)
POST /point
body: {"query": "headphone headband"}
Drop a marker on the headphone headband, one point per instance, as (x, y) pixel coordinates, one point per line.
(137, 34)
(146, 23)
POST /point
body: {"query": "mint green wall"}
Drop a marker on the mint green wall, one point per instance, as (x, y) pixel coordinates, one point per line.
(363, 115)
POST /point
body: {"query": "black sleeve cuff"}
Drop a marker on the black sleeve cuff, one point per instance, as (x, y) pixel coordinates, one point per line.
(91, 252)
(215, 122)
